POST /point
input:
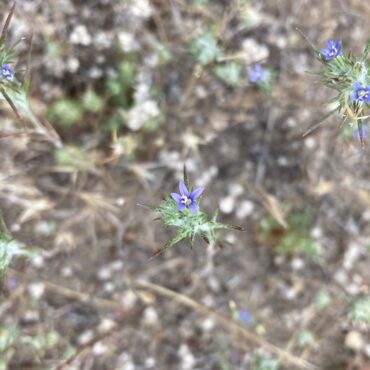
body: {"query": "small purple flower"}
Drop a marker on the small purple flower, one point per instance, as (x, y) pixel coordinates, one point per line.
(257, 74)
(356, 133)
(186, 199)
(7, 72)
(361, 93)
(245, 316)
(12, 282)
(333, 50)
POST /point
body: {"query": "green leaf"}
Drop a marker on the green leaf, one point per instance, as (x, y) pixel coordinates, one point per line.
(92, 102)
(65, 112)
(230, 73)
(205, 49)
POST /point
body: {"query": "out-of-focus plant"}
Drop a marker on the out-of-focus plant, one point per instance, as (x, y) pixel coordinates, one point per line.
(230, 73)
(205, 49)
(39, 344)
(181, 211)
(349, 77)
(266, 363)
(65, 112)
(120, 87)
(14, 87)
(8, 338)
(10, 248)
(295, 238)
(322, 299)
(305, 338)
(359, 312)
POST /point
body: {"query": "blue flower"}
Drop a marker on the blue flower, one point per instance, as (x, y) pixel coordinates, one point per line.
(333, 50)
(257, 74)
(7, 72)
(356, 133)
(361, 93)
(245, 316)
(187, 199)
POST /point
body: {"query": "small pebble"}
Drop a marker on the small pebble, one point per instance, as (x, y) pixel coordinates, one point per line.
(150, 316)
(150, 363)
(100, 349)
(104, 274)
(106, 325)
(227, 204)
(208, 324)
(354, 341)
(297, 264)
(129, 299)
(38, 261)
(31, 317)
(85, 337)
(80, 36)
(244, 209)
(36, 290)
(116, 265)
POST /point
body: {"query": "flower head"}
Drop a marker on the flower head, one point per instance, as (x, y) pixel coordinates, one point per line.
(245, 316)
(356, 133)
(361, 94)
(187, 199)
(257, 74)
(333, 50)
(7, 72)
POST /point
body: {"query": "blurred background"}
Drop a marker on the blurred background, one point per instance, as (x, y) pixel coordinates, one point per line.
(136, 89)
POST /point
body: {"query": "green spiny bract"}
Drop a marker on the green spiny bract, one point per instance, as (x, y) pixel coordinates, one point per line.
(9, 248)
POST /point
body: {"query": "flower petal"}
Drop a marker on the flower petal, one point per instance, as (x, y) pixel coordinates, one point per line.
(176, 197)
(196, 193)
(181, 206)
(183, 189)
(193, 206)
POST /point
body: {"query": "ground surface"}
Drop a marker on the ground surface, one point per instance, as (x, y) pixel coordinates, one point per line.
(86, 301)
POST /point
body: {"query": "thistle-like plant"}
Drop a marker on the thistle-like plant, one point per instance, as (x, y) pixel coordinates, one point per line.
(13, 88)
(181, 211)
(9, 248)
(349, 76)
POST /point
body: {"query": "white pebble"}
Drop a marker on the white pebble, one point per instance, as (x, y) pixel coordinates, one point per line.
(85, 337)
(38, 261)
(109, 287)
(208, 324)
(67, 271)
(150, 316)
(36, 290)
(150, 363)
(31, 317)
(227, 204)
(129, 299)
(116, 265)
(354, 341)
(100, 349)
(127, 42)
(236, 189)
(317, 233)
(106, 325)
(187, 358)
(297, 264)
(72, 65)
(80, 36)
(104, 274)
(310, 143)
(245, 208)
